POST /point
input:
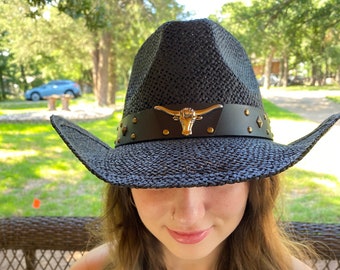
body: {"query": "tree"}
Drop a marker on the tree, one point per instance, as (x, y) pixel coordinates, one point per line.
(294, 31)
(107, 20)
(45, 47)
(319, 26)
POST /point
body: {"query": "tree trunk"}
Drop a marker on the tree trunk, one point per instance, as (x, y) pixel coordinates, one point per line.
(23, 77)
(316, 75)
(337, 76)
(2, 86)
(113, 85)
(268, 70)
(285, 69)
(103, 69)
(95, 60)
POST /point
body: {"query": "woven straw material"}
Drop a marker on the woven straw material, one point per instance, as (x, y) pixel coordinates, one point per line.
(191, 62)
(185, 63)
(46, 243)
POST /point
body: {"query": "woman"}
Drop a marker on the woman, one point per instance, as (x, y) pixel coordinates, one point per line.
(193, 179)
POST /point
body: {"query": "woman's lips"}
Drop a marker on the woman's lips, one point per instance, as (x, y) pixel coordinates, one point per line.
(191, 237)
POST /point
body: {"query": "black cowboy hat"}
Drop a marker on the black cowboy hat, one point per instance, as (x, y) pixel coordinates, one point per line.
(193, 116)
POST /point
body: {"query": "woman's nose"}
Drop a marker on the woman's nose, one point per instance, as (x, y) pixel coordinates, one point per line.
(189, 205)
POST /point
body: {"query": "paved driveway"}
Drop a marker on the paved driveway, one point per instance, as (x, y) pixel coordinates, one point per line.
(325, 156)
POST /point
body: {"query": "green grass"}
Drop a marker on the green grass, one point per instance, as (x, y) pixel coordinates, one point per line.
(334, 99)
(276, 112)
(310, 196)
(35, 163)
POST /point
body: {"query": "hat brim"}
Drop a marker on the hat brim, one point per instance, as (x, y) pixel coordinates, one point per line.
(189, 162)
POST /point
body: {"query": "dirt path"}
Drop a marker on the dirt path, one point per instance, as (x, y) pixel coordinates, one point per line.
(325, 156)
(312, 105)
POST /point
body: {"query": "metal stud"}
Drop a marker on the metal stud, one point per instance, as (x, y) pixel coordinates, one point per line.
(166, 132)
(133, 136)
(267, 131)
(124, 130)
(134, 120)
(250, 129)
(210, 130)
(259, 122)
(246, 112)
(265, 116)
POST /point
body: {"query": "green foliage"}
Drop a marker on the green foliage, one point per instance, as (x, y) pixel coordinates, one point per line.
(93, 12)
(304, 31)
(64, 38)
(50, 46)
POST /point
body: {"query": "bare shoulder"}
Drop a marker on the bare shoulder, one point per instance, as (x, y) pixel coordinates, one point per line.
(97, 258)
(299, 265)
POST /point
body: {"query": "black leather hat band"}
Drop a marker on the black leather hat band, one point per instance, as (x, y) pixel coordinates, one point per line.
(193, 120)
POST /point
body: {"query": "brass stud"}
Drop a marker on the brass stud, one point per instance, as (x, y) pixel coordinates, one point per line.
(124, 130)
(259, 122)
(210, 130)
(246, 112)
(265, 116)
(267, 131)
(166, 132)
(134, 120)
(250, 129)
(133, 136)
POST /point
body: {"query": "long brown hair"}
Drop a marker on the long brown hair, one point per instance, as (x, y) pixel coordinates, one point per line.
(257, 243)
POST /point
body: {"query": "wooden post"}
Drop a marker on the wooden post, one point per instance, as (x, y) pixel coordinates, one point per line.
(65, 100)
(52, 102)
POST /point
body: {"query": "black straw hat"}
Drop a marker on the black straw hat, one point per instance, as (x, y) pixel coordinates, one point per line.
(193, 116)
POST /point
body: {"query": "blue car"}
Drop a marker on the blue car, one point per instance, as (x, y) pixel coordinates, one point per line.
(56, 87)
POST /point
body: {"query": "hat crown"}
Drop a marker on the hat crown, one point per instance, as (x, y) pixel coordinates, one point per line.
(187, 62)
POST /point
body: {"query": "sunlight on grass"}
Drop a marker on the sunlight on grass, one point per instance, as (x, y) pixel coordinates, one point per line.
(8, 156)
(23, 129)
(28, 110)
(325, 182)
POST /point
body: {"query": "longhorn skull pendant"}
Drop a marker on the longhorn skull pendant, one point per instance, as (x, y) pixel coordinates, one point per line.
(188, 116)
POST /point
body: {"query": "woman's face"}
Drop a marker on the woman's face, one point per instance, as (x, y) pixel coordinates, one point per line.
(191, 223)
